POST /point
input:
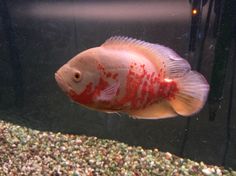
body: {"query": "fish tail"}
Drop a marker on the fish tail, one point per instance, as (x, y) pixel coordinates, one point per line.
(192, 94)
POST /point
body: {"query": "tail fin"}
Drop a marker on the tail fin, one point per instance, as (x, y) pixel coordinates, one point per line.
(192, 95)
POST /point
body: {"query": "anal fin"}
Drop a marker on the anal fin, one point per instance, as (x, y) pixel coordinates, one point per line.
(155, 111)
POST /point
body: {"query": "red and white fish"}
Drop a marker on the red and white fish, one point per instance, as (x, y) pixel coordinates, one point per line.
(141, 79)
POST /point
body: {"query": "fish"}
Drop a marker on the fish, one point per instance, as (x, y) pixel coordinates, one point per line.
(134, 77)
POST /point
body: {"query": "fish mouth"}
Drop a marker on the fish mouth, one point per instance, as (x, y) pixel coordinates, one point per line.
(62, 83)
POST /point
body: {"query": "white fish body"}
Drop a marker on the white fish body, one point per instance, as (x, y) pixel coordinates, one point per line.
(139, 78)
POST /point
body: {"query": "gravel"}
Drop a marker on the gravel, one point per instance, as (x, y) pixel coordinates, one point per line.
(24, 151)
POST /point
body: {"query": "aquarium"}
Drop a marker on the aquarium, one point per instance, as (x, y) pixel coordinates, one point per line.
(42, 129)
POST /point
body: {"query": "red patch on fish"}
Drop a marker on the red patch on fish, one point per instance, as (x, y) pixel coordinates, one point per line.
(149, 85)
(106, 73)
(89, 93)
(167, 90)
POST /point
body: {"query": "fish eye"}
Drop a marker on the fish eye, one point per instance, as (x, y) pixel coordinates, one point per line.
(77, 76)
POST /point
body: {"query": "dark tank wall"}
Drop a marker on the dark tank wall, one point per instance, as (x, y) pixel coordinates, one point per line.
(34, 44)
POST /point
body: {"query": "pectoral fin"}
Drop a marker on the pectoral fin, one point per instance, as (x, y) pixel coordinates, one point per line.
(109, 93)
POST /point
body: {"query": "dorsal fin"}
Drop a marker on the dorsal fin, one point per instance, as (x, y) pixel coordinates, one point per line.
(161, 56)
(123, 41)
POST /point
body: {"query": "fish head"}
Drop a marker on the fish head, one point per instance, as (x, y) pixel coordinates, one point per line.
(78, 73)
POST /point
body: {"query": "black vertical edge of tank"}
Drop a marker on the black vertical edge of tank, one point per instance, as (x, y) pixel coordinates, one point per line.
(218, 12)
(229, 112)
(202, 42)
(13, 53)
(195, 23)
(222, 48)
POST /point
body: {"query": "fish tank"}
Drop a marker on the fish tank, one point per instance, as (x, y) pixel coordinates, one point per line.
(45, 132)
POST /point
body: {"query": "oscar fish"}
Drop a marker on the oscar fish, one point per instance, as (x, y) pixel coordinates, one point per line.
(141, 79)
